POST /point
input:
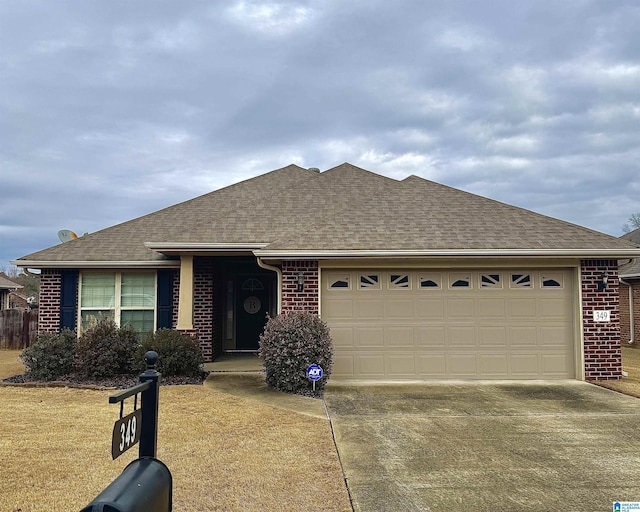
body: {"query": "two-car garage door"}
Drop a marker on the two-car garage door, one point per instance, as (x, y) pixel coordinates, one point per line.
(422, 324)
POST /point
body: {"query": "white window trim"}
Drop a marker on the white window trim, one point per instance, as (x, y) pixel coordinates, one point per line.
(117, 307)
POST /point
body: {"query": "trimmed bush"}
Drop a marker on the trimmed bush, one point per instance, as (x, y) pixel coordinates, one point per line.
(104, 351)
(178, 354)
(50, 356)
(289, 344)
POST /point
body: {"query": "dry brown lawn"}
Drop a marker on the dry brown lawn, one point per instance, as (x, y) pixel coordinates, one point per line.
(224, 452)
(631, 364)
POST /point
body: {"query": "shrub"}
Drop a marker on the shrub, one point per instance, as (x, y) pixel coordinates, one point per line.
(104, 350)
(289, 344)
(178, 354)
(50, 356)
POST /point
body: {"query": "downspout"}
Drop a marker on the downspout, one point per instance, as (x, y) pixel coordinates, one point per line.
(278, 272)
(631, 319)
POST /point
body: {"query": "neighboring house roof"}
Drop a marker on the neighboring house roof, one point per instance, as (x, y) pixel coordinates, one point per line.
(631, 269)
(7, 284)
(345, 210)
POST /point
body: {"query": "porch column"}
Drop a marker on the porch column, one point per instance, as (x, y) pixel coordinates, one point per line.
(185, 295)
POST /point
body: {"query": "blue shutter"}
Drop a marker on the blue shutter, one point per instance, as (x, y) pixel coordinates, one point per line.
(68, 298)
(165, 298)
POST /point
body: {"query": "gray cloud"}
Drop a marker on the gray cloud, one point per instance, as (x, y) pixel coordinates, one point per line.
(111, 110)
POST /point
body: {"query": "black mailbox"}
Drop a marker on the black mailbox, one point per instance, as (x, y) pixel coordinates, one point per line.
(145, 485)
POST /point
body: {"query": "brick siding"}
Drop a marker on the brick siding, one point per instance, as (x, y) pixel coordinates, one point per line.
(203, 305)
(49, 306)
(625, 320)
(292, 299)
(602, 353)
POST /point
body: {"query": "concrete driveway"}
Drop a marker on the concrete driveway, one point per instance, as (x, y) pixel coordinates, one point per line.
(568, 446)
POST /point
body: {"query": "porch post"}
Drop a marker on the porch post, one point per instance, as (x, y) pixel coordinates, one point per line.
(185, 296)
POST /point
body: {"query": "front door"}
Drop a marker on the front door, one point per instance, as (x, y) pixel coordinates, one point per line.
(252, 306)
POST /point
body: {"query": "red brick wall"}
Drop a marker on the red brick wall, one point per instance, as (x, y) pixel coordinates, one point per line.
(292, 299)
(49, 306)
(203, 305)
(602, 354)
(636, 312)
(625, 324)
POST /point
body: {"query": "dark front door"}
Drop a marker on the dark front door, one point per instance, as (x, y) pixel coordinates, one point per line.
(252, 306)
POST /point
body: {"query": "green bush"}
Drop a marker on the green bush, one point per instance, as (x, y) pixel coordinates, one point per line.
(50, 356)
(289, 344)
(104, 350)
(178, 354)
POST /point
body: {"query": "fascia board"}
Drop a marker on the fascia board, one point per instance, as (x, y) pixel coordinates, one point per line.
(95, 264)
(481, 253)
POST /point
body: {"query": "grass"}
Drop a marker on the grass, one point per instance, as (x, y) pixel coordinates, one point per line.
(226, 453)
(629, 385)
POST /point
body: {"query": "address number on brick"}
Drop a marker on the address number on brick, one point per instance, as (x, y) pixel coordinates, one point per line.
(601, 315)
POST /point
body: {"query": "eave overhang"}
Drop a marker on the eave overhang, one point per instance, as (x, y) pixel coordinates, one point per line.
(96, 264)
(450, 253)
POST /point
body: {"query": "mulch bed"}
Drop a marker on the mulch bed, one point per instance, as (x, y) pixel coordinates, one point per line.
(118, 382)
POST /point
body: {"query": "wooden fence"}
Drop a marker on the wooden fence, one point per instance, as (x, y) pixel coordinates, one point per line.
(17, 328)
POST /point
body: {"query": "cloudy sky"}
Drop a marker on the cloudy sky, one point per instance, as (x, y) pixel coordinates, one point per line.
(111, 110)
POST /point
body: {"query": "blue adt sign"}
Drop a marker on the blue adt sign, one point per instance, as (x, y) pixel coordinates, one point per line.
(314, 372)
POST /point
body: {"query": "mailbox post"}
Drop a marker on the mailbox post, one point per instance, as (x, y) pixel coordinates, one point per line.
(146, 484)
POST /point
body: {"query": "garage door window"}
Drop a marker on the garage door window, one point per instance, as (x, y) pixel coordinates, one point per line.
(337, 282)
(490, 281)
(369, 282)
(459, 280)
(552, 280)
(431, 281)
(399, 282)
(521, 281)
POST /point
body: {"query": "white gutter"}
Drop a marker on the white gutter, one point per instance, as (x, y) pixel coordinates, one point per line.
(95, 264)
(278, 272)
(450, 253)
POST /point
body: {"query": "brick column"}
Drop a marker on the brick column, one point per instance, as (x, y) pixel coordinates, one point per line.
(602, 353)
(49, 305)
(203, 305)
(308, 298)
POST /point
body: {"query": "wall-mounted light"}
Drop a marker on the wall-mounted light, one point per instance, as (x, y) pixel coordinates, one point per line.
(300, 281)
(602, 283)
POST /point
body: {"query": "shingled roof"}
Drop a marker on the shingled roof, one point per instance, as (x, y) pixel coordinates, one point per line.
(632, 268)
(343, 210)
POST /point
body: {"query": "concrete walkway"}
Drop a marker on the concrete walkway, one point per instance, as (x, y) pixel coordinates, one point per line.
(568, 446)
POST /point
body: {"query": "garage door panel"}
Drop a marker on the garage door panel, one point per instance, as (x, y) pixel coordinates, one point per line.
(461, 337)
(425, 328)
(460, 308)
(462, 365)
(370, 365)
(369, 309)
(491, 308)
(342, 337)
(339, 309)
(493, 365)
(399, 336)
(431, 337)
(369, 337)
(397, 309)
(430, 309)
(492, 336)
(400, 365)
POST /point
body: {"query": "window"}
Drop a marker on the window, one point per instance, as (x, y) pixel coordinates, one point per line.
(369, 282)
(430, 281)
(127, 298)
(337, 282)
(521, 281)
(399, 281)
(551, 280)
(459, 280)
(490, 281)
